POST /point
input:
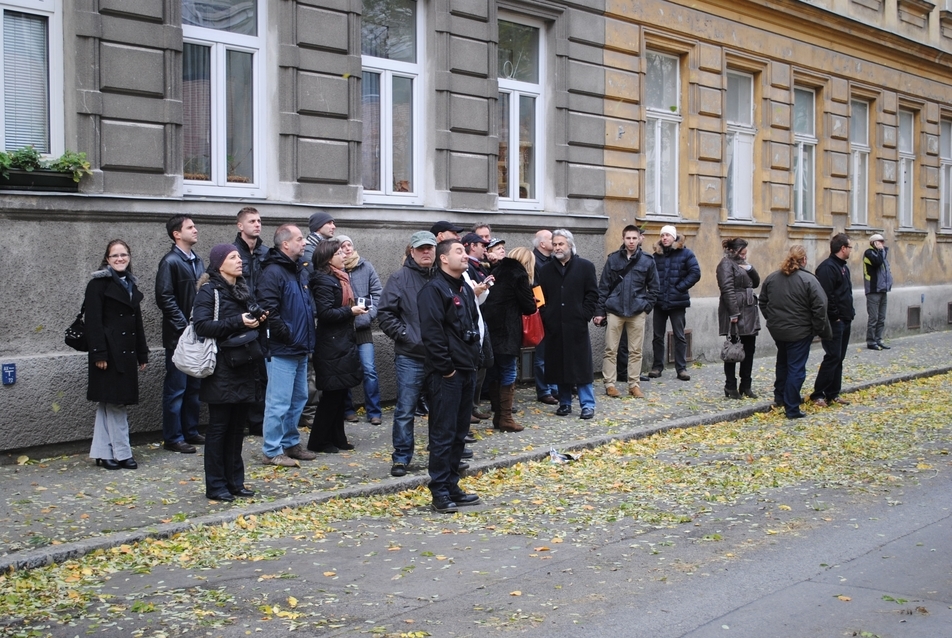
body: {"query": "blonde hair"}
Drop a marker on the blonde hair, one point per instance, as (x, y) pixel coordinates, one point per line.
(796, 256)
(525, 257)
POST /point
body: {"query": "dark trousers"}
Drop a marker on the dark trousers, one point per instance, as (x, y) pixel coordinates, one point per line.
(328, 426)
(829, 379)
(746, 366)
(542, 388)
(790, 373)
(224, 467)
(451, 402)
(180, 404)
(660, 319)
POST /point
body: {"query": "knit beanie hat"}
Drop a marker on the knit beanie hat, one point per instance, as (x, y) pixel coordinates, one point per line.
(343, 238)
(670, 230)
(318, 219)
(218, 254)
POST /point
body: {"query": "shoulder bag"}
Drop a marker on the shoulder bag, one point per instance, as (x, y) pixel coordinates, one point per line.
(75, 336)
(194, 355)
(532, 331)
(733, 350)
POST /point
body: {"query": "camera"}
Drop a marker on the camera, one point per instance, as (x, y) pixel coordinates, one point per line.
(256, 311)
(489, 281)
(470, 336)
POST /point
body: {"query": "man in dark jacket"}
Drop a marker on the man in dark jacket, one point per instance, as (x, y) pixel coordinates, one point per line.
(571, 297)
(678, 271)
(834, 275)
(794, 305)
(283, 292)
(253, 254)
(626, 294)
(175, 281)
(542, 249)
(877, 281)
(399, 318)
(449, 326)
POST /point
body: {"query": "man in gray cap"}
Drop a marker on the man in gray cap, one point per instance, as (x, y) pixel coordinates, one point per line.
(322, 227)
(877, 280)
(399, 318)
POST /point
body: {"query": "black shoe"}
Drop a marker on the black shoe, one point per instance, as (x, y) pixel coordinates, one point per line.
(564, 410)
(181, 446)
(467, 454)
(731, 393)
(747, 392)
(255, 430)
(128, 464)
(548, 399)
(422, 409)
(109, 464)
(799, 414)
(684, 376)
(883, 346)
(587, 413)
(654, 374)
(644, 377)
(462, 499)
(327, 449)
(222, 496)
(346, 446)
(243, 492)
(463, 465)
(875, 346)
(398, 469)
(444, 505)
(469, 438)
(198, 439)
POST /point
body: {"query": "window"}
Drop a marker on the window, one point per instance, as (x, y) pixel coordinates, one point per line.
(520, 115)
(221, 78)
(740, 146)
(32, 75)
(663, 120)
(907, 158)
(859, 162)
(804, 155)
(391, 90)
(945, 169)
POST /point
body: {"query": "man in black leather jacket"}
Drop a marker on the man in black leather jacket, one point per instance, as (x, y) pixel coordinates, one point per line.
(175, 282)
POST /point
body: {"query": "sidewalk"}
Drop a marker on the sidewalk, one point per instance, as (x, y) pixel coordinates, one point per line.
(57, 508)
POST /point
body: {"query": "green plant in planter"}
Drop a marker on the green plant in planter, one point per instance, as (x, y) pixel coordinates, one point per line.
(29, 159)
(26, 158)
(71, 162)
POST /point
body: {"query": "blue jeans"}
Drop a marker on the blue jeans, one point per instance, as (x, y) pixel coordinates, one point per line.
(410, 376)
(504, 370)
(660, 318)
(283, 403)
(538, 364)
(180, 404)
(450, 407)
(586, 395)
(829, 378)
(371, 385)
(790, 372)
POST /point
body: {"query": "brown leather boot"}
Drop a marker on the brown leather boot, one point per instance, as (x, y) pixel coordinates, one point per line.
(506, 422)
(494, 403)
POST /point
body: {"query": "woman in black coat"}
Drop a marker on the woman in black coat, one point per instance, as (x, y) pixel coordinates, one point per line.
(337, 366)
(117, 353)
(736, 280)
(509, 299)
(237, 383)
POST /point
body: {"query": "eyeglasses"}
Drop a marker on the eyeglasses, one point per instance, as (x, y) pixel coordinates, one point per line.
(119, 256)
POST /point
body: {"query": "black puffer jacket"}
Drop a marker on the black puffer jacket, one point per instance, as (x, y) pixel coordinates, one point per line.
(243, 384)
(634, 295)
(336, 359)
(794, 306)
(509, 299)
(678, 271)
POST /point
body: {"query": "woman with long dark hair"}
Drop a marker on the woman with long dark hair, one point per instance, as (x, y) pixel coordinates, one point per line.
(337, 366)
(117, 353)
(226, 310)
(737, 312)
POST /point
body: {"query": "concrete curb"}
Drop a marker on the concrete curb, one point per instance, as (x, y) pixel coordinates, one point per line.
(68, 551)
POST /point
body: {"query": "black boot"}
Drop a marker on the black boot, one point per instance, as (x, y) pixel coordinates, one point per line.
(745, 389)
(730, 388)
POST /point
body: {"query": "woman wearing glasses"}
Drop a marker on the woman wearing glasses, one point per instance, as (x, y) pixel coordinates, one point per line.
(117, 353)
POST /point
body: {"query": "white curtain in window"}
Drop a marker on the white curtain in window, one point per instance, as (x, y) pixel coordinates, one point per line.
(26, 82)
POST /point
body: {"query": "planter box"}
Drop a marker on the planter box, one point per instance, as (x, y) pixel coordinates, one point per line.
(39, 180)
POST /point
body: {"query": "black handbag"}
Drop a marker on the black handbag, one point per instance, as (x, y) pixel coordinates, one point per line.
(75, 335)
(241, 349)
(733, 350)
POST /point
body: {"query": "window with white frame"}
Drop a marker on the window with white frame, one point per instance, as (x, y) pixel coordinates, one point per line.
(221, 82)
(31, 89)
(740, 145)
(391, 86)
(804, 155)
(662, 126)
(859, 162)
(945, 170)
(907, 159)
(520, 114)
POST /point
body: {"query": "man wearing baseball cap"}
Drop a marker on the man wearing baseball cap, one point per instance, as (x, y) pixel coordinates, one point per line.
(877, 280)
(445, 230)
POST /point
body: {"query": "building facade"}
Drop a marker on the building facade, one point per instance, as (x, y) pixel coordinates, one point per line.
(781, 122)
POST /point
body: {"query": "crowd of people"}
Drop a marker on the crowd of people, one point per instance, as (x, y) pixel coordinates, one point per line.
(293, 327)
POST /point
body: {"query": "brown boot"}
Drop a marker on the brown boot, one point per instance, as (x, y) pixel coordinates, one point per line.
(506, 422)
(494, 403)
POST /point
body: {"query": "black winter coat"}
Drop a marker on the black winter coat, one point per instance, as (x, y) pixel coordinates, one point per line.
(252, 261)
(282, 291)
(834, 275)
(678, 271)
(175, 292)
(633, 295)
(336, 359)
(398, 315)
(737, 297)
(243, 384)
(794, 306)
(571, 296)
(115, 334)
(509, 299)
(449, 325)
